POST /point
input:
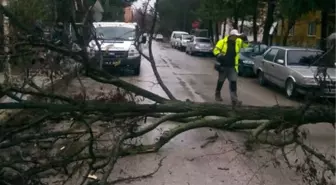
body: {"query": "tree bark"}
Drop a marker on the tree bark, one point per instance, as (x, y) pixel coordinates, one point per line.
(269, 20)
(224, 30)
(255, 26)
(216, 32)
(242, 25)
(289, 27)
(210, 26)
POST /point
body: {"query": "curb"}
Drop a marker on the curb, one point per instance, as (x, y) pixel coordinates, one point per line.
(6, 115)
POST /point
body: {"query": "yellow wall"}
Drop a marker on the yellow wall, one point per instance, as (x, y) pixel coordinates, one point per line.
(300, 36)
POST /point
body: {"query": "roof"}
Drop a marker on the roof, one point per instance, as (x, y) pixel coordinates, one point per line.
(294, 48)
(180, 32)
(114, 24)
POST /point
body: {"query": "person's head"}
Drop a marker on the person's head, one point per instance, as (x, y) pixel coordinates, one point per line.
(234, 32)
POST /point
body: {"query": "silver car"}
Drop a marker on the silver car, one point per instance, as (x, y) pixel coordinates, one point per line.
(201, 45)
(293, 69)
(182, 43)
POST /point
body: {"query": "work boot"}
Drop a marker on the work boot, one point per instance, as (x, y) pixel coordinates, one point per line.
(218, 96)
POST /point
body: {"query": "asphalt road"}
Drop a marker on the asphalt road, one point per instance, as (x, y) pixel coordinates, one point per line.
(222, 162)
(194, 78)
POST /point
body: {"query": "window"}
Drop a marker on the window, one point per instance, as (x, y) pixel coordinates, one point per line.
(291, 31)
(203, 40)
(186, 37)
(280, 55)
(312, 29)
(116, 33)
(259, 48)
(271, 54)
(302, 57)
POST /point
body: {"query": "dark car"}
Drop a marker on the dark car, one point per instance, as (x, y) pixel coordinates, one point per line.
(247, 56)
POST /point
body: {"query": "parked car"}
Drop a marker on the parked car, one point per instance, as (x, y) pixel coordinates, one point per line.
(175, 36)
(202, 45)
(159, 37)
(246, 61)
(182, 43)
(293, 69)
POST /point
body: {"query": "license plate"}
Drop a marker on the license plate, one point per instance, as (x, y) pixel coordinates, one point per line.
(114, 63)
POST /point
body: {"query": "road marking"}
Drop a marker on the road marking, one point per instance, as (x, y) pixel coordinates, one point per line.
(195, 96)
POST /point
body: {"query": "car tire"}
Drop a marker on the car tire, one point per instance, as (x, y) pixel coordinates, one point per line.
(261, 78)
(290, 89)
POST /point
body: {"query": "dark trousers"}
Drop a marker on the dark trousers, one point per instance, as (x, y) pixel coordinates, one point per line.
(231, 74)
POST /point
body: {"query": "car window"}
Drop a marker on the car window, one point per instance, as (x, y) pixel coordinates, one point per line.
(259, 48)
(186, 37)
(271, 54)
(280, 55)
(203, 40)
(302, 57)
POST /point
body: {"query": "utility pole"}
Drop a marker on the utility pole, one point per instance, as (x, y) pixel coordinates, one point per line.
(6, 65)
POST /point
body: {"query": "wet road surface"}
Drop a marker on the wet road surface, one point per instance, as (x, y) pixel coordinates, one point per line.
(194, 77)
(224, 162)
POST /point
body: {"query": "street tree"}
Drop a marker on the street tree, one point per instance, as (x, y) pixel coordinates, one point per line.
(72, 136)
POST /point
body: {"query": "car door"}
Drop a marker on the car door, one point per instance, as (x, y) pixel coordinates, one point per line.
(278, 68)
(267, 63)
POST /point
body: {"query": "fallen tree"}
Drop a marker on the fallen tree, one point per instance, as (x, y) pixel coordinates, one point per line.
(65, 136)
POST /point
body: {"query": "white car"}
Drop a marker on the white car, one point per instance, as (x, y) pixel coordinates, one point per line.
(117, 42)
(175, 37)
(159, 37)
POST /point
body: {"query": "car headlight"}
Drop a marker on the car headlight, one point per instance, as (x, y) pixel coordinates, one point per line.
(310, 81)
(133, 52)
(248, 62)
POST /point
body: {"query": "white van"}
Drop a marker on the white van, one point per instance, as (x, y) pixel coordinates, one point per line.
(175, 37)
(117, 41)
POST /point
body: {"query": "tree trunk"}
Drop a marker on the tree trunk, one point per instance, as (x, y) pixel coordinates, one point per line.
(269, 20)
(210, 29)
(224, 30)
(242, 25)
(290, 26)
(235, 22)
(216, 32)
(324, 30)
(255, 26)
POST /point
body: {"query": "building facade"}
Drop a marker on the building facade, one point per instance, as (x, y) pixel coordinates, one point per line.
(306, 32)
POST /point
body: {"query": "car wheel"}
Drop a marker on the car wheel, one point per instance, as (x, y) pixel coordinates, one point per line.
(290, 88)
(261, 78)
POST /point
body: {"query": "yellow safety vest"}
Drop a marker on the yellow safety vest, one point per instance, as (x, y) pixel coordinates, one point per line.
(221, 47)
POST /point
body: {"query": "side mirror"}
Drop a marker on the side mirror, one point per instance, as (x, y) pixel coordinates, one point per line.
(143, 39)
(280, 61)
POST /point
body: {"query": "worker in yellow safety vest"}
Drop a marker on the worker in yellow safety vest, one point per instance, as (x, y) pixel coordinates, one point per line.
(227, 55)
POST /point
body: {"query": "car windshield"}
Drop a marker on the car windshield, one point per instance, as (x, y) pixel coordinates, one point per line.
(203, 40)
(186, 37)
(115, 33)
(246, 50)
(302, 57)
